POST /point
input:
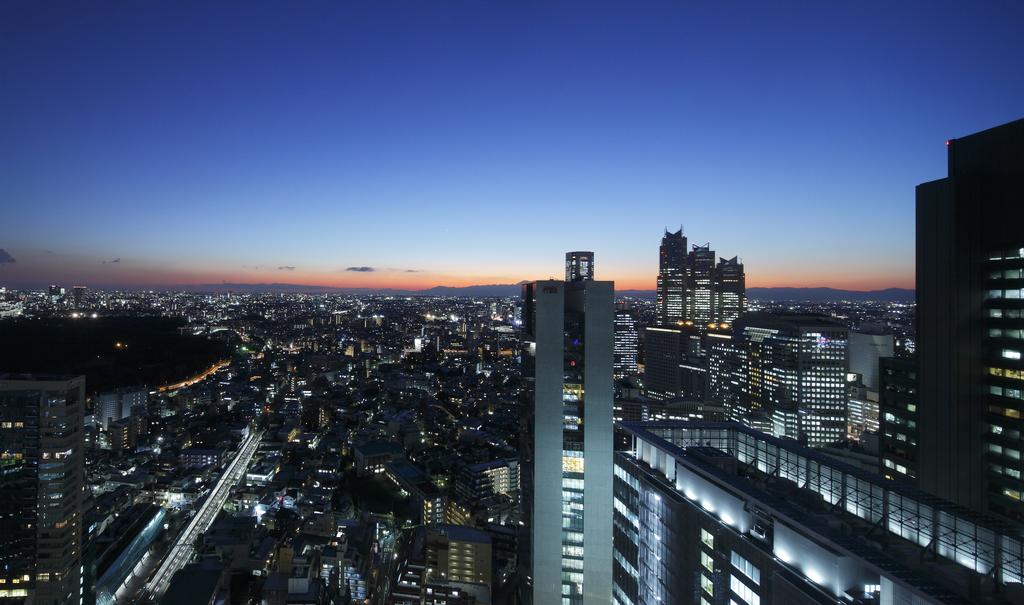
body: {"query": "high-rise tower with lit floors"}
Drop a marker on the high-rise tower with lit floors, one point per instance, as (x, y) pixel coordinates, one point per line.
(729, 290)
(41, 481)
(627, 341)
(701, 303)
(672, 279)
(568, 450)
(970, 324)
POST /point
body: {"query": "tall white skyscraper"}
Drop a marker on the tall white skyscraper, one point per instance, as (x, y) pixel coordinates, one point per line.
(568, 454)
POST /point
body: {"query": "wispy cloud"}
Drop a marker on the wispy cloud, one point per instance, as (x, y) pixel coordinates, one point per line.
(286, 268)
(5, 257)
(411, 271)
(361, 269)
(116, 260)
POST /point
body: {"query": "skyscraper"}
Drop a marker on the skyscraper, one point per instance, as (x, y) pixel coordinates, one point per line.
(672, 279)
(42, 472)
(78, 294)
(868, 344)
(674, 363)
(579, 266)
(627, 341)
(693, 289)
(970, 290)
(700, 295)
(729, 287)
(727, 379)
(795, 367)
(898, 412)
(568, 449)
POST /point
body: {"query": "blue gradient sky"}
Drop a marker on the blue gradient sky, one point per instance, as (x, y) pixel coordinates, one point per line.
(475, 142)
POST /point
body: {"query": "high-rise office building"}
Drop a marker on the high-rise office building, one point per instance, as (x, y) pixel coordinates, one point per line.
(674, 363)
(717, 513)
(727, 379)
(42, 472)
(795, 367)
(672, 279)
(579, 266)
(627, 341)
(662, 356)
(117, 404)
(700, 294)
(868, 344)
(729, 288)
(970, 309)
(568, 450)
(696, 296)
(897, 418)
(78, 295)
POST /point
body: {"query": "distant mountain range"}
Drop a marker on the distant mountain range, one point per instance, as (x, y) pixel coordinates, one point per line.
(499, 290)
(831, 294)
(503, 290)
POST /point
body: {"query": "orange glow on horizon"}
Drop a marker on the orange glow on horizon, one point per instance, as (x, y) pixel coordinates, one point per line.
(41, 269)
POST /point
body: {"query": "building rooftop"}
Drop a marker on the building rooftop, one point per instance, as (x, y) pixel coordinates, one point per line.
(787, 320)
(889, 525)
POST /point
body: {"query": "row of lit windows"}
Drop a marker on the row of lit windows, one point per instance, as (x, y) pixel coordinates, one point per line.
(1006, 254)
(1000, 470)
(1007, 373)
(746, 567)
(1008, 412)
(1006, 392)
(1006, 313)
(1005, 451)
(889, 417)
(1006, 274)
(897, 467)
(1010, 293)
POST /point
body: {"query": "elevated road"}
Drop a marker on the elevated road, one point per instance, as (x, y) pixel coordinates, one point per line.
(182, 551)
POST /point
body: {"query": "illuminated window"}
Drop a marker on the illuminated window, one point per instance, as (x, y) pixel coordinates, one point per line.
(746, 567)
(572, 464)
(707, 538)
(707, 585)
(707, 561)
(743, 591)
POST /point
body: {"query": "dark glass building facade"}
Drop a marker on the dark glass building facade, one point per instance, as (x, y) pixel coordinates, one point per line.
(42, 474)
(970, 295)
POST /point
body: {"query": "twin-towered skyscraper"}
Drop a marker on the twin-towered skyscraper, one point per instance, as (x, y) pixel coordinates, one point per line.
(695, 290)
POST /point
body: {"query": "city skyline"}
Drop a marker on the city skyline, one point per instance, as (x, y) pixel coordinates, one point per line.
(505, 303)
(336, 158)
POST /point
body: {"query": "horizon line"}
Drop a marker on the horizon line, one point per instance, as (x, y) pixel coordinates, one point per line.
(272, 285)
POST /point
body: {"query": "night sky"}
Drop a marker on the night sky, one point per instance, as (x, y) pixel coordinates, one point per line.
(464, 143)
